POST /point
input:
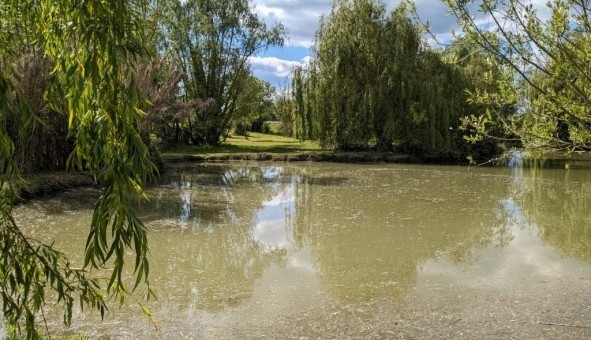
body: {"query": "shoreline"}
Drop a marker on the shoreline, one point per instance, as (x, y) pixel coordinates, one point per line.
(336, 157)
(48, 183)
(291, 157)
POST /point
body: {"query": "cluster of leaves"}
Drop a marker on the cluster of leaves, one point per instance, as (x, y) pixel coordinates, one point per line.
(94, 46)
(545, 58)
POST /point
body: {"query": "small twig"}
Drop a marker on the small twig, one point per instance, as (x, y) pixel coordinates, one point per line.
(562, 324)
(45, 321)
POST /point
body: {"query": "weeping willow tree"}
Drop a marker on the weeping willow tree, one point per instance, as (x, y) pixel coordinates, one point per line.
(93, 47)
(345, 43)
(397, 81)
(302, 87)
(374, 84)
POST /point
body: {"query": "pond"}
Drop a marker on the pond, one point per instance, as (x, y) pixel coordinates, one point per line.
(311, 250)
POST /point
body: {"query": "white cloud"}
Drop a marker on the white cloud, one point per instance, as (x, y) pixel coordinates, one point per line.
(278, 67)
(273, 69)
(300, 17)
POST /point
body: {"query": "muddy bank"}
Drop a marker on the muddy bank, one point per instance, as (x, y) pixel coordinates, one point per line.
(47, 183)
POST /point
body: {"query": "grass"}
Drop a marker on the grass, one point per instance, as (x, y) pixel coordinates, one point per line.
(268, 147)
(254, 143)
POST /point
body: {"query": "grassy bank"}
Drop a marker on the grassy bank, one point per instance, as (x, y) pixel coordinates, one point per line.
(265, 147)
(254, 143)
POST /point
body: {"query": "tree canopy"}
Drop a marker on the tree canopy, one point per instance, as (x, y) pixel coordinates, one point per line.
(546, 73)
(211, 42)
(374, 84)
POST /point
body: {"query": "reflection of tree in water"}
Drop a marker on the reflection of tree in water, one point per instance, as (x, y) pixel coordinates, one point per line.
(206, 195)
(370, 235)
(368, 231)
(203, 216)
(558, 202)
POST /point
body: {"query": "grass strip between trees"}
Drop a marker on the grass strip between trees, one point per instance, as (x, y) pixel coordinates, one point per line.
(267, 147)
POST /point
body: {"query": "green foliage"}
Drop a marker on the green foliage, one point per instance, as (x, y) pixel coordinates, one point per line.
(214, 54)
(254, 106)
(93, 47)
(375, 85)
(38, 133)
(546, 71)
(302, 87)
(284, 111)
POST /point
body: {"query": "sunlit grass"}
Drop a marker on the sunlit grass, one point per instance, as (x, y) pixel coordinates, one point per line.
(254, 143)
(270, 147)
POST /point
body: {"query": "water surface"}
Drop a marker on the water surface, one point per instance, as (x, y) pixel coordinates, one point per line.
(254, 250)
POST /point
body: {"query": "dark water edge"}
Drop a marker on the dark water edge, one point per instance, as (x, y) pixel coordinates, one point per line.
(337, 157)
(50, 183)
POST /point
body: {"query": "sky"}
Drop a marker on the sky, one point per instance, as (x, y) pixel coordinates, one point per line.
(301, 17)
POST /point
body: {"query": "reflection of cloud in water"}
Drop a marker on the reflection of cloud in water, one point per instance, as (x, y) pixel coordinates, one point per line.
(185, 196)
(302, 259)
(272, 234)
(524, 256)
(271, 228)
(512, 209)
(272, 172)
(283, 198)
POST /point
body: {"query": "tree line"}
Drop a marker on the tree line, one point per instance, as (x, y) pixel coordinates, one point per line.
(375, 84)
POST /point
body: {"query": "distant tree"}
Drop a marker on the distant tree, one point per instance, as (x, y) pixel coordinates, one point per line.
(212, 41)
(254, 106)
(284, 111)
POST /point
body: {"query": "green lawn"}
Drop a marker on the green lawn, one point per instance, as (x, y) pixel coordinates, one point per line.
(254, 143)
(267, 147)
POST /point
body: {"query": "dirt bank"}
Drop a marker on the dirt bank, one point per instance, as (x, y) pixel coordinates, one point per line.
(47, 183)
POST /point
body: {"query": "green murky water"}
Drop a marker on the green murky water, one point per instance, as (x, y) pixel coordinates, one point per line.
(351, 251)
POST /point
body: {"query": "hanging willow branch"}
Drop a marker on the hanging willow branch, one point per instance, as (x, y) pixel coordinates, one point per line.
(94, 46)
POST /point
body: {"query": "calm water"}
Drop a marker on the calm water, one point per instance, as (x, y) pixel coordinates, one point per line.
(350, 251)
